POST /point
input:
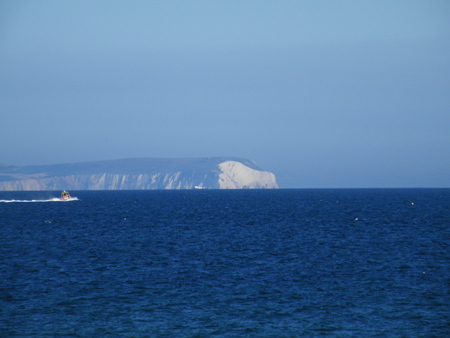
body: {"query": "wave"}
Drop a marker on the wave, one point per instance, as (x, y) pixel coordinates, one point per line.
(55, 199)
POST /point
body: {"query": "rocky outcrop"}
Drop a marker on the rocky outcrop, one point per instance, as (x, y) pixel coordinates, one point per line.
(140, 174)
(236, 175)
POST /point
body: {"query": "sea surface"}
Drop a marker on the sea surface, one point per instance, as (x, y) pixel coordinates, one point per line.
(216, 263)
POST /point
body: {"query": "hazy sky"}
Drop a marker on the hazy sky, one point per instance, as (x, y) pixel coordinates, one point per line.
(322, 93)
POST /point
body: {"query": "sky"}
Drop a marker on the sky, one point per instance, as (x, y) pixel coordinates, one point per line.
(324, 94)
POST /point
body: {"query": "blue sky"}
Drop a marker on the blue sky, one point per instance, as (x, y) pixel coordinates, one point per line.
(322, 93)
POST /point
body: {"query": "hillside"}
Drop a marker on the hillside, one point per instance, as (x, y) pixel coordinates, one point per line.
(139, 174)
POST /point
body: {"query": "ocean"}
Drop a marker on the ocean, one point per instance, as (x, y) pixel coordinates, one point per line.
(226, 263)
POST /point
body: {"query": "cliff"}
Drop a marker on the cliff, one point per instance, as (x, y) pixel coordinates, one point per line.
(139, 174)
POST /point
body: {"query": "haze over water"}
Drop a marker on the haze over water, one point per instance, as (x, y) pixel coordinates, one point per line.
(323, 94)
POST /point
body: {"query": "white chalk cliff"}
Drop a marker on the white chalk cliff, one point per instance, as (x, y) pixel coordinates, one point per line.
(236, 175)
(140, 174)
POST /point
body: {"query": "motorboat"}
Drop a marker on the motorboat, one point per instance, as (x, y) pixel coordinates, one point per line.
(65, 195)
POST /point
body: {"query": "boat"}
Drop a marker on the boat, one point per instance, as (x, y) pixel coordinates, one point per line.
(65, 195)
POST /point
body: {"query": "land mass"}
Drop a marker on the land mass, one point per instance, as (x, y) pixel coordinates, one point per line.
(139, 174)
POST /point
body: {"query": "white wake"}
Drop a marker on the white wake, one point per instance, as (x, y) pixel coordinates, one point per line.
(54, 199)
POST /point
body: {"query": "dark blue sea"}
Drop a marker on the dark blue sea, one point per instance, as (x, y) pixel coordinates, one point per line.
(219, 263)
